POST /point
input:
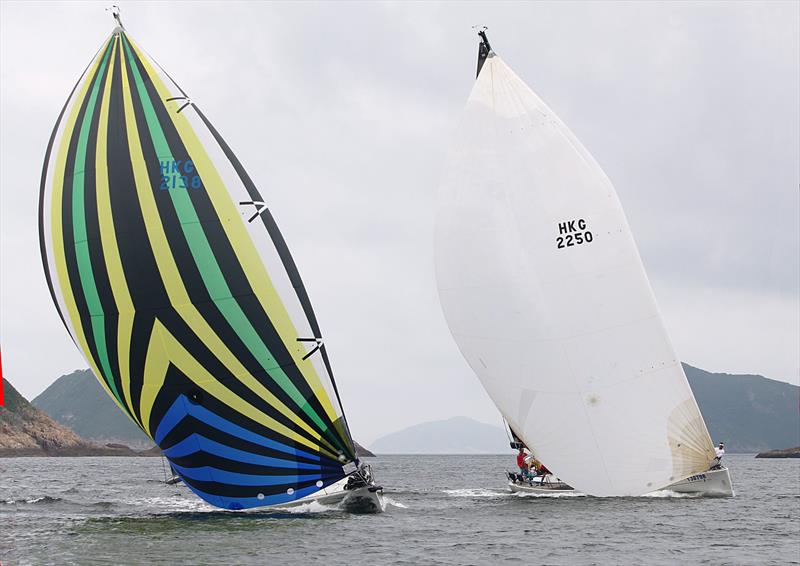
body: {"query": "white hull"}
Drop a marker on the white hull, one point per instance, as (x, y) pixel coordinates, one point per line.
(551, 485)
(713, 483)
(367, 499)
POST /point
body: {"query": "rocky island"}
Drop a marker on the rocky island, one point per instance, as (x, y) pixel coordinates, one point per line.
(28, 431)
(42, 429)
(786, 453)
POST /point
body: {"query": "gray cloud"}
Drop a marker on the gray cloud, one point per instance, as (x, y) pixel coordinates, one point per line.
(342, 113)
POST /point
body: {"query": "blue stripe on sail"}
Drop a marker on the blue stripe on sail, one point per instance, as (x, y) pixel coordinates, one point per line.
(171, 418)
(197, 442)
(211, 474)
(182, 407)
(238, 503)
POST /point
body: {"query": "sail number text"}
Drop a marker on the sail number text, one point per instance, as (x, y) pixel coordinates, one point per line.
(177, 174)
(573, 233)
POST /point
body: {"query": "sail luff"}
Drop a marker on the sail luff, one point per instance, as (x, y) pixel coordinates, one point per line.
(58, 229)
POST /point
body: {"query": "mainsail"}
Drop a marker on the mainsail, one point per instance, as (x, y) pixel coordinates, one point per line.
(170, 274)
(545, 293)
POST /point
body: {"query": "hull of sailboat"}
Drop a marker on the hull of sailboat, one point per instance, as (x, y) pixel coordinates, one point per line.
(713, 483)
(368, 499)
(549, 485)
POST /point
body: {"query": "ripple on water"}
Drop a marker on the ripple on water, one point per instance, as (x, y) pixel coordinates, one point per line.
(445, 510)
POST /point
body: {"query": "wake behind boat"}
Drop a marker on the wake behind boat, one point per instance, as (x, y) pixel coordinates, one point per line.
(169, 272)
(545, 294)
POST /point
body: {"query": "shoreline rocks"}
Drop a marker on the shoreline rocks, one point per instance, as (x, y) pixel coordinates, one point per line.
(786, 453)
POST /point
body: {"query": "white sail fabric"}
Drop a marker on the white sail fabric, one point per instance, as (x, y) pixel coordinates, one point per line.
(545, 293)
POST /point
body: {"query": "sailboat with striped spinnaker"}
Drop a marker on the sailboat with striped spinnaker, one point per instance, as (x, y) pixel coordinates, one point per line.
(170, 274)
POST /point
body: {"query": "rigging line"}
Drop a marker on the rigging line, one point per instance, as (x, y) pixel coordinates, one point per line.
(506, 428)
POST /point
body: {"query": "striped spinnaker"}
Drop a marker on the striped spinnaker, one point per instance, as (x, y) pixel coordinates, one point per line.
(170, 274)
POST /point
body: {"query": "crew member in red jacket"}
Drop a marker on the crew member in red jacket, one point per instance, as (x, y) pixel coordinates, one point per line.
(521, 463)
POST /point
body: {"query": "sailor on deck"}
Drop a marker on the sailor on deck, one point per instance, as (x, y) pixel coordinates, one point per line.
(719, 452)
(521, 463)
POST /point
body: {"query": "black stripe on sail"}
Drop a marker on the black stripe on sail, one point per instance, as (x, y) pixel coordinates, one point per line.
(283, 252)
(42, 191)
(141, 336)
(70, 256)
(180, 384)
(190, 425)
(198, 293)
(233, 274)
(139, 266)
(286, 258)
(176, 384)
(94, 243)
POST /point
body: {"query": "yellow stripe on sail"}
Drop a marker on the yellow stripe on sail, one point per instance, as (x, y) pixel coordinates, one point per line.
(108, 238)
(165, 350)
(59, 257)
(241, 243)
(173, 283)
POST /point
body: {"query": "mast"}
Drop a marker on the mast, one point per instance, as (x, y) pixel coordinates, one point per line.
(484, 49)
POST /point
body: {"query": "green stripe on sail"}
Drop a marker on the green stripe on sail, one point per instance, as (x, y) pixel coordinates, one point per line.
(210, 271)
(84, 262)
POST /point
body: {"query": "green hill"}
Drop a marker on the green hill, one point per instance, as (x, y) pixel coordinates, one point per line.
(25, 430)
(456, 435)
(750, 413)
(77, 400)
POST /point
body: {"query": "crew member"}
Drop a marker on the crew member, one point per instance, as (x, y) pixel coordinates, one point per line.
(719, 452)
(521, 464)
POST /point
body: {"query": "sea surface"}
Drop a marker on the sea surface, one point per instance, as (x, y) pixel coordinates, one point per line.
(440, 510)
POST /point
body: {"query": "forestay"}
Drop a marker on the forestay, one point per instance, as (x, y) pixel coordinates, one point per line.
(545, 293)
(170, 274)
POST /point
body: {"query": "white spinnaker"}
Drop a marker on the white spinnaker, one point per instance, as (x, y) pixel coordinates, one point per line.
(568, 342)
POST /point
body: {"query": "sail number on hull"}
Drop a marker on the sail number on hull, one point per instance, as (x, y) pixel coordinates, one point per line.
(573, 233)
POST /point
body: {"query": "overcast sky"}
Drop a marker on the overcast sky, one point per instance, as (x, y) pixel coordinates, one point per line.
(343, 113)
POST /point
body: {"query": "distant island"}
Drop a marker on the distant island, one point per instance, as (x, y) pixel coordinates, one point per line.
(75, 417)
(750, 413)
(787, 453)
(456, 435)
(78, 401)
(28, 431)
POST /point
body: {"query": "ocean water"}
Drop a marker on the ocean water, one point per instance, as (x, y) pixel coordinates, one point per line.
(440, 510)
